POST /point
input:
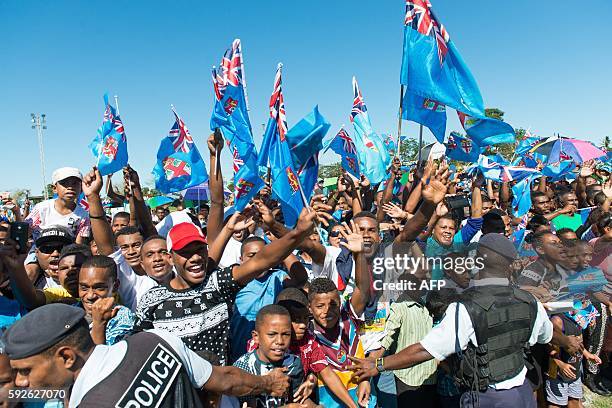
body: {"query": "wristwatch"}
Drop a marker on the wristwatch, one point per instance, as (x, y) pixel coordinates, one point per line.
(380, 365)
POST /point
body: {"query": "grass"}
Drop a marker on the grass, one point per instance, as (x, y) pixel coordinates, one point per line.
(593, 400)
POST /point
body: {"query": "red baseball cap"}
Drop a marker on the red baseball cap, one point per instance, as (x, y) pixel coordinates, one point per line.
(184, 234)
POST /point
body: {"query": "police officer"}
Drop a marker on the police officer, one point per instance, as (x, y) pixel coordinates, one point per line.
(488, 330)
(51, 348)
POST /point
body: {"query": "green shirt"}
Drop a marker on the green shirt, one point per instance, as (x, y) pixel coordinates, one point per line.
(572, 222)
(408, 323)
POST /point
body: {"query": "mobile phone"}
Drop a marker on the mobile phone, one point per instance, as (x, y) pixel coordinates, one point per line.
(19, 234)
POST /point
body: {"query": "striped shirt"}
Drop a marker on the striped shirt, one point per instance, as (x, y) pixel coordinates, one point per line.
(408, 323)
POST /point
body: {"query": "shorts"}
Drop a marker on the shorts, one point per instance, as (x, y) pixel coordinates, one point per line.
(559, 391)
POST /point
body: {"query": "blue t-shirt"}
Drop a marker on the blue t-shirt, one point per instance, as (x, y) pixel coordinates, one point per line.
(255, 295)
(461, 243)
(10, 312)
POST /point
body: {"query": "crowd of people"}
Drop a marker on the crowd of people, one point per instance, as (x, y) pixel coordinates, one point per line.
(427, 294)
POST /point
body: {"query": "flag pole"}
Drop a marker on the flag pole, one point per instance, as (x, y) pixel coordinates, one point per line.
(420, 145)
(399, 123)
(117, 104)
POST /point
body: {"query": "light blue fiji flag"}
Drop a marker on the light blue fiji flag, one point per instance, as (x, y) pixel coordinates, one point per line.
(285, 182)
(373, 156)
(179, 164)
(431, 65)
(109, 147)
(526, 142)
(486, 131)
(462, 148)
(230, 114)
(558, 171)
(521, 202)
(425, 111)
(343, 145)
(305, 140)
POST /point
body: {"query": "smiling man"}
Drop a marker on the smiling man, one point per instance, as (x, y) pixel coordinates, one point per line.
(196, 304)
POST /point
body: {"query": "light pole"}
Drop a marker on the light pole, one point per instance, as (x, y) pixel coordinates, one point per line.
(39, 122)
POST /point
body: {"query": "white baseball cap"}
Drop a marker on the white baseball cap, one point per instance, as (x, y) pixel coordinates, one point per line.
(65, 172)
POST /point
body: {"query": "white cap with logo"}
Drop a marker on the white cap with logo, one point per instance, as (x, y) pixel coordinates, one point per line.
(64, 173)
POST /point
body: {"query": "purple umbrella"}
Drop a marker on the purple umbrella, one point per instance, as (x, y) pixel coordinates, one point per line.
(574, 149)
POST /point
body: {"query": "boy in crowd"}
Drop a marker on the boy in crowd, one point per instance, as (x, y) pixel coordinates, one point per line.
(273, 336)
(259, 292)
(563, 380)
(63, 210)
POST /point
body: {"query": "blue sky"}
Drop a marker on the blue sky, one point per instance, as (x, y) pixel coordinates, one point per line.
(546, 66)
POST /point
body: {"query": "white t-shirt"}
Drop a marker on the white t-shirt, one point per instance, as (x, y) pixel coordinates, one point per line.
(105, 359)
(231, 253)
(170, 220)
(44, 215)
(131, 285)
(440, 341)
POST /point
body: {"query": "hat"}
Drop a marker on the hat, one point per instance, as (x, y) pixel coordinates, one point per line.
(64, 173)
(40, 329)
(55, 233)
(183, 234)
(500, 244)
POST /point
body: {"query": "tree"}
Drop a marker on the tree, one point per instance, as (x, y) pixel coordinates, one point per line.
(50, 188)
(606, 143)
(409, 150)
(495, 113)
(330, 170)
(150, 192)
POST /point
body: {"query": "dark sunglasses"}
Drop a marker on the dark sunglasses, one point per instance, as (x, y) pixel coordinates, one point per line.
(334, 234)
(49, 249)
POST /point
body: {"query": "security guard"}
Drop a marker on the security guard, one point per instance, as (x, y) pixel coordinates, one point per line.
(487, 330)
(51, 348)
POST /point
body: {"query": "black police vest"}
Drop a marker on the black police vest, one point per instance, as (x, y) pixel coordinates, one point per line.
(503, 318)
(150, 375)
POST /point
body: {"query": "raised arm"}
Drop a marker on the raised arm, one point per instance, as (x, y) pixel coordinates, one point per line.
(316, 250)
(388, 192)
(22, 286)
(143, 214)
(100, 228)
(476, 208)
(274, 253)
(363, 279)
(433, 193)
(215, 185)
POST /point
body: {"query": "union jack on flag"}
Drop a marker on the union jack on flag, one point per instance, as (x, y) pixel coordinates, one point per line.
(347, 142)
(236, 160)
(359, 106)
(277, 104)
(230, 71)
(420, 17)
(116, 121)
(179, 134)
